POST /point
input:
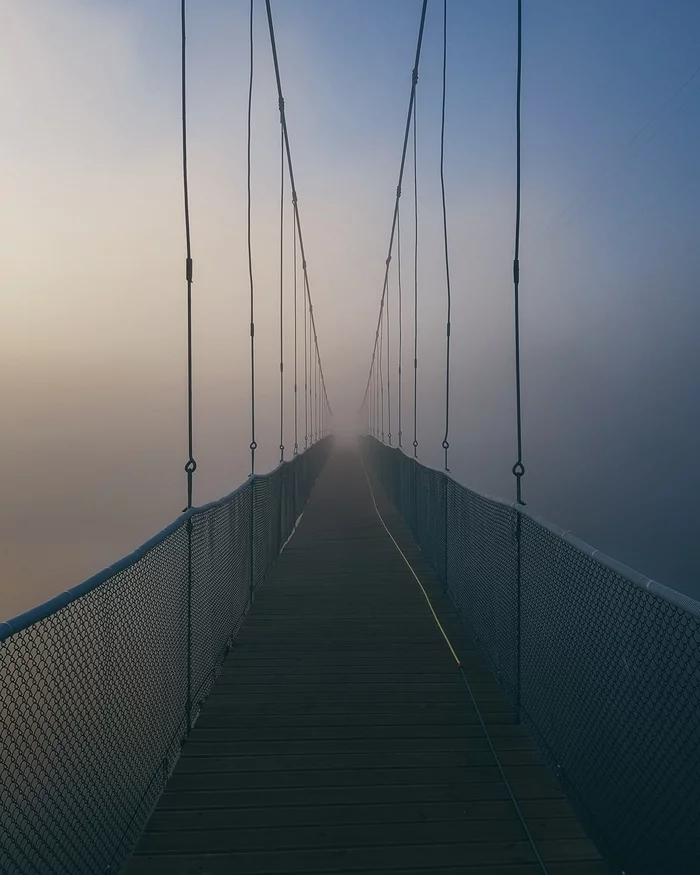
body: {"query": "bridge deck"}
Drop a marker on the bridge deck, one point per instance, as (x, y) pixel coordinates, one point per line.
(339, 736)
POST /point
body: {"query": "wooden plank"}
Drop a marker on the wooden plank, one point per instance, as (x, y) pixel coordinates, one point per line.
(358, 859)
(366, 795)
(225, 746)
(229, 838)
(544, 811)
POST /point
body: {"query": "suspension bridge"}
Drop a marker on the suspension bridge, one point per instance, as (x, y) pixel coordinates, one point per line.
(353, 663)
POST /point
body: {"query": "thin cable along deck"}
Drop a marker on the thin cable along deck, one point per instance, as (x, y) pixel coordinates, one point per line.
(340, 735)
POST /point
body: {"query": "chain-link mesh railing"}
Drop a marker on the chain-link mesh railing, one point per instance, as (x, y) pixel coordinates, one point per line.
(602, 663)
(98, 687)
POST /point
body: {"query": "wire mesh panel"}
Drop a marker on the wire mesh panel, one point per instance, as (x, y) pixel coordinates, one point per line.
(97, 687)
(611, 686)
(602, 664)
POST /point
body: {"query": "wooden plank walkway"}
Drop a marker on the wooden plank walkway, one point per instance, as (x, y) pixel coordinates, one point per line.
(339, 736)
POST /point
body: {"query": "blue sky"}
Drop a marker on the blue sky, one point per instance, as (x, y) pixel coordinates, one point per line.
(92, 248)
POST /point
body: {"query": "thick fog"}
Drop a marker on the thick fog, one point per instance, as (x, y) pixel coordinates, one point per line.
(92, 335)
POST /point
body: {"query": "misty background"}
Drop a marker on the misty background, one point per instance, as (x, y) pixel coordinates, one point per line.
(92, 335)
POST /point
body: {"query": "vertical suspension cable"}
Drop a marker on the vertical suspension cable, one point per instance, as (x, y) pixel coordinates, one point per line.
(312, 392)
(388, 363)
(518, 467)
(377, 426)
(281, 290)
(398, 252)
(445, 440)
(381, 372)
(191, 465)
(311, 384)
(306, 369)
(376, 404)
(296, 310)
(253, 442)
(369, 399)
(375, 431)
(315, 401)
(312, 371)
(415, 283)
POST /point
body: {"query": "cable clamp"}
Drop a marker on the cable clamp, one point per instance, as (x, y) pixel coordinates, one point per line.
(388, 261)
(414, 76)
(516, 270)
(191, 466)
(252, 329)
(188, 269)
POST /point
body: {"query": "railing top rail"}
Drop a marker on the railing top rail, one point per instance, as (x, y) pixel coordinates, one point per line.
(40, 612)
(666, 593)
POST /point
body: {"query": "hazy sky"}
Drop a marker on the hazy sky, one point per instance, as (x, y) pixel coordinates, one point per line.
(92, 383)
